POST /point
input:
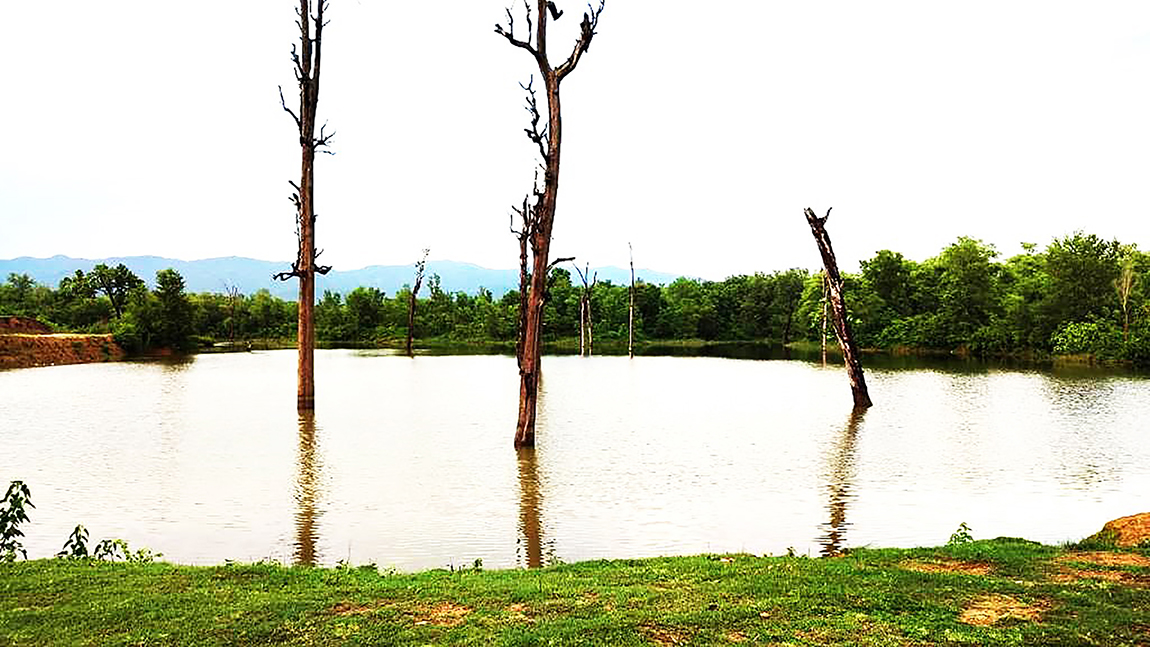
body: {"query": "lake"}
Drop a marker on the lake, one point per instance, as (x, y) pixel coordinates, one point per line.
(408, 462)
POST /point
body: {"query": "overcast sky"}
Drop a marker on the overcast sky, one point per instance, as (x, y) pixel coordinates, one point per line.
(696, 131)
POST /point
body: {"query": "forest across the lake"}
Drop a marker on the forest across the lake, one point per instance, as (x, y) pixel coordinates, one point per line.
(1080, 295)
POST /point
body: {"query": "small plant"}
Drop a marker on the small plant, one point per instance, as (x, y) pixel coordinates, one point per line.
(12, 514)
(77, 545)
(113, 549)
(960, 536)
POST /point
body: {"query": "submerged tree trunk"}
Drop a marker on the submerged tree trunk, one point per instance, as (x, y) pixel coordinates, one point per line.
(419, 267)
(539, 217)
(307, 58)
(839, 310)
(586, 331)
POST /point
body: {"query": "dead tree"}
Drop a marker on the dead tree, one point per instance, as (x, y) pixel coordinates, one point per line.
(527, 225)
(631, 307)
(839, 310)
(419, 267)
(233, 293)
(539, 213)
(307, 58)
(586, 330)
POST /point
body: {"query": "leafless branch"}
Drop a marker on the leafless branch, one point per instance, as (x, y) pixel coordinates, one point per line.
(288, 110)
(557, 261)
(509, 31)
(586, 33)
(541, 138)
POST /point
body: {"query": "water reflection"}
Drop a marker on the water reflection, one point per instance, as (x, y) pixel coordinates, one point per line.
(840, 480)
(306, 491)
(530, 549)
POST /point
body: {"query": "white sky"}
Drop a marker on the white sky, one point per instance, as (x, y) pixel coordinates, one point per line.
(697, 131)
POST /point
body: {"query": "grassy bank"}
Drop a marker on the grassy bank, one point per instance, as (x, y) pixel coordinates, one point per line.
(1000, 592)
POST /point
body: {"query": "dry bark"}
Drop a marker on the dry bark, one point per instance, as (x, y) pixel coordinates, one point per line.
(307, 59)
(539, 216)
(839, 310)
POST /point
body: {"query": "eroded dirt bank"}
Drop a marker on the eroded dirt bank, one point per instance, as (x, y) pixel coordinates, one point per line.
(25, 343)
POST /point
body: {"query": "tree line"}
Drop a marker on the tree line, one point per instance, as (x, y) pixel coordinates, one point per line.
(1079, 295)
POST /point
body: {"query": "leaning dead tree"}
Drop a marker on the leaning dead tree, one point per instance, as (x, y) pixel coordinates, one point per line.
(839, 309)
(306, 58)
(419, 267)
(538, 211)
(586, 330)
(631, 307)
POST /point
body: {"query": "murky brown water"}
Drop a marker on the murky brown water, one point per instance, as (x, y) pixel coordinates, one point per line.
(408, 462)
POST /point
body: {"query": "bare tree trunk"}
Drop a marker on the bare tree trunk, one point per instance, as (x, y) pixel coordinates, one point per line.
(585, 326)
(233, 294)
(307, 60)
(839, 309)
(631, 307)
(582, 326)
(539, 217)
(419, 267)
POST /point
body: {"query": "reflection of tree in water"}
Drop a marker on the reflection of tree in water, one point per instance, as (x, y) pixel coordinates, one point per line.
(306, 491)
(534, 550)
(840, 474)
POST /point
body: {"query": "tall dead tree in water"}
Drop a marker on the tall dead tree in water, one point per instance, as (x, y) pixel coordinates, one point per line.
(527, 220)
(307, 58)
(631, 307)
(839, 309)
(419, 267)
(539, 216)
(586, 329)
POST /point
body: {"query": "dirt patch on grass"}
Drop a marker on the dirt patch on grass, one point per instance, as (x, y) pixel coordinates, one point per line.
(987, 610)
(1104, 558)
(352, 609)
(665, 636)
(948, 566)
(444, 614)
(519, 613)
(1069, 572)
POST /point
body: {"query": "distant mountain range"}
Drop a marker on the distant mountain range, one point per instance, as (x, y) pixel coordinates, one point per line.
(251, 275)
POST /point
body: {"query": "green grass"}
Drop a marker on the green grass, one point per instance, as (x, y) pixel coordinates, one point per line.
(868, 597)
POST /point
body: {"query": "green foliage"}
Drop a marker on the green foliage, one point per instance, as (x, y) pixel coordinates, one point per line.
(109, 550)
(960, 536)
(116, 283)
(117, 549)
(76, 547)
(1100, 339)
(13, 513)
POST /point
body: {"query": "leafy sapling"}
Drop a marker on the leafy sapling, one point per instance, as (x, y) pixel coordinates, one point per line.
(12, 514)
